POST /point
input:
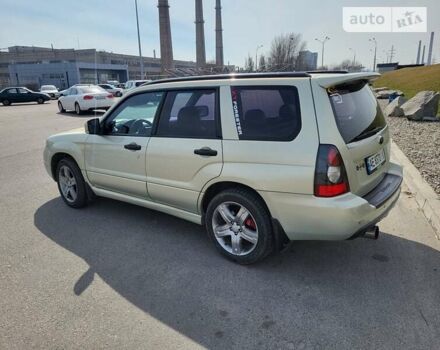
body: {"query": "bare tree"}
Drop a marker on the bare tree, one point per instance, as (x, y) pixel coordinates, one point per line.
(349, 65)
(284, 51)
(262, 63)
(249, 64)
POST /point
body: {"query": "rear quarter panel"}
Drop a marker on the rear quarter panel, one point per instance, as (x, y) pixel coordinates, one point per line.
(271, 165)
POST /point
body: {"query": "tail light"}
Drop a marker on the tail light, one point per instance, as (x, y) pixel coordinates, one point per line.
(110, 96)
(330, 175)
(88, 97)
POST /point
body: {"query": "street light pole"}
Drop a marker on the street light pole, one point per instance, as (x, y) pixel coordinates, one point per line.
(354, 56)
(322, 49)
(256, 56)
(139, 40)
(375, 50)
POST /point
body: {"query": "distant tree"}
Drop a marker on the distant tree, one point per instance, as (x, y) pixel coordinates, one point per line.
(262, 64)
(349, 65)
(284, 51)
(249, 64)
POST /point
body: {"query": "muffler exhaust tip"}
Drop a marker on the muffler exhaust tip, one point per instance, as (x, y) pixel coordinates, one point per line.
(372, 233)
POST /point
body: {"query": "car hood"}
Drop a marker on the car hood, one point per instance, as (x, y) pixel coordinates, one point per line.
(77, 131)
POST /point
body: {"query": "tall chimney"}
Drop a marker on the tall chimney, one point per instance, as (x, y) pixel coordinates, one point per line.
(431, 43)
(166, 46)
(423, 55)
(418, 52)
(218, 34)
(200, 35)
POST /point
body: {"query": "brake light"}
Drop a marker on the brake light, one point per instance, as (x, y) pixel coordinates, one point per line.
(88, 97)
(110, 96)
(330, 175)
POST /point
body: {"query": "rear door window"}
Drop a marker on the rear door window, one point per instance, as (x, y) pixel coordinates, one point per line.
(267, 113)
(190, 114)
(357, 113)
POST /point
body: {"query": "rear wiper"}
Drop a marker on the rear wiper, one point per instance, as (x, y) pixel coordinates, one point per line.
(367, 134)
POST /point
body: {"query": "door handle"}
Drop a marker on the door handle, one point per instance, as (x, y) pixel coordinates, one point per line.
(205, 151)
(133, 146)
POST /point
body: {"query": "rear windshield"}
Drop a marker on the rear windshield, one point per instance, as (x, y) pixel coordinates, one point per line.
(91, 89)
(356, 111)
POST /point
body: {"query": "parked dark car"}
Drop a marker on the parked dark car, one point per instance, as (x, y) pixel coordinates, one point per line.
(21, 94)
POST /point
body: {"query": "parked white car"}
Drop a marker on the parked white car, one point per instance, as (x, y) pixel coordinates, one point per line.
(51, 90)
(80, 98)
(131, 84)
(259, 159)
(117, 92)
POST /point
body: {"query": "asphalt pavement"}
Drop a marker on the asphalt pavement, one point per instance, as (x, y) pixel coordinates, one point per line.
(117, 276)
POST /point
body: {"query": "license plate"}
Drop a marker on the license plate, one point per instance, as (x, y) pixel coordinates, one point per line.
(374, 161)
(100, 97)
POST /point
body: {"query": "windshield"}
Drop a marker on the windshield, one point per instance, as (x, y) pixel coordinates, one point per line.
(91, 89)
(357, 113)
(48, 87)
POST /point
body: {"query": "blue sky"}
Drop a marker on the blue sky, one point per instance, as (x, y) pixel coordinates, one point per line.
(110, 25)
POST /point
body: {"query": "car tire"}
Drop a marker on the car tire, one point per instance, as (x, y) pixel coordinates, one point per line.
(71, 184)
(78, 110)
(6, 103)
(245, 238)
(60, 107)
(40, 100)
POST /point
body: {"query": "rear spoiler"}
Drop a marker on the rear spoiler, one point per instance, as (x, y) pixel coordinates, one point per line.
(327, 81)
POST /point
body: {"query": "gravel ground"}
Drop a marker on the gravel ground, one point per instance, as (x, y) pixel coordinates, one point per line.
(420, 141)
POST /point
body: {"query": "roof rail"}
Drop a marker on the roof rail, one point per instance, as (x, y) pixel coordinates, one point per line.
(327, 72)
(232, 76)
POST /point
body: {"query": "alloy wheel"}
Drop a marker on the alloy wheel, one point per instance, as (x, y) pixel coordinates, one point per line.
(68, 184)
(235, 228)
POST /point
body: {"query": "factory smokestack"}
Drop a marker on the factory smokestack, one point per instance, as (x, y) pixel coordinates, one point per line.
(218, 34)
(200, 35)
(431, 43)
(166, 46)
(418, 52)
(423, 55)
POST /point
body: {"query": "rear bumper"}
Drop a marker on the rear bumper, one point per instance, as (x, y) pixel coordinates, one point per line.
(97, 104)
(306, 217)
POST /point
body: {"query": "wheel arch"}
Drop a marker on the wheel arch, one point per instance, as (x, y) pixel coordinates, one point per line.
(56, 158)
(214, 188)
(211, 190)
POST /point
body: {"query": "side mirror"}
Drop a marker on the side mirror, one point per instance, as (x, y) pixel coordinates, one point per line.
(93, 127)
(61, 94)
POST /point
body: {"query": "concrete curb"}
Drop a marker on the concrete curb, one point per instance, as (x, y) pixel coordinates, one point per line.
(426, 198)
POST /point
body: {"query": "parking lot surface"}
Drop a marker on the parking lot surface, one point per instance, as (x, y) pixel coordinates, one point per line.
(118, 276)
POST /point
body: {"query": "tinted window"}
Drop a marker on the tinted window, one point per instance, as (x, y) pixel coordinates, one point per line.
(22, 91)
(11, 91)
(190, 114)
(134, 116)
(269, 113)
(356, 111)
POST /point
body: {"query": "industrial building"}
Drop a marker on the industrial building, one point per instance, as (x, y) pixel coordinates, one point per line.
(35, 66)
(28, 65)
(307, 60)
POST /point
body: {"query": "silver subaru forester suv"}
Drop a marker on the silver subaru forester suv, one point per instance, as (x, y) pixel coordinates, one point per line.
(259, 159)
